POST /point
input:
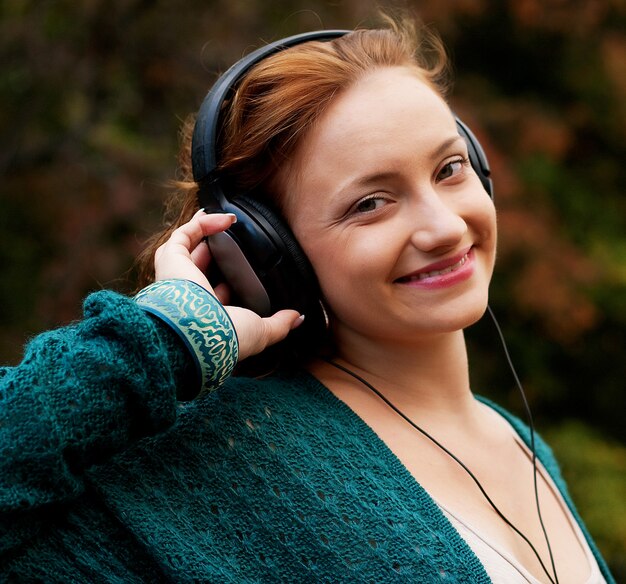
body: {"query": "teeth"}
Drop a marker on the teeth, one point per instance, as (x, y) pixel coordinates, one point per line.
(434, 273)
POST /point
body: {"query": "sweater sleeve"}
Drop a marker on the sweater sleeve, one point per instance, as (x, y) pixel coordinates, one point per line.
(81, 394)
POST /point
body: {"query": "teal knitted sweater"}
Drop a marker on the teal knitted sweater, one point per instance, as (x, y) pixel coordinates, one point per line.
(105, 477)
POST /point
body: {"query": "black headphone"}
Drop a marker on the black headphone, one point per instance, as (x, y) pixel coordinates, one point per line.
(258, 256)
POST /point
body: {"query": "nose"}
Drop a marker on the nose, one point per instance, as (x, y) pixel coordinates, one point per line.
(436, 223)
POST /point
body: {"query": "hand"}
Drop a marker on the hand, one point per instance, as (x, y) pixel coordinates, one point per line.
(185, 255)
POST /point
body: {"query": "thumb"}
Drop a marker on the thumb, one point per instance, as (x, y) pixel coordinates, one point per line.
(272, 330)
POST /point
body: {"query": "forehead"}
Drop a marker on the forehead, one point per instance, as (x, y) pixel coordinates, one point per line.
(385, 86)
(377, 102)
(387, 116)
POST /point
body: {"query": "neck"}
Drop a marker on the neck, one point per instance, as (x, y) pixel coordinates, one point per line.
(430, 376)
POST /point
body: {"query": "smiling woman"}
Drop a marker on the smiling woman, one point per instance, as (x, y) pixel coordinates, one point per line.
(431, 213)
(345, 204)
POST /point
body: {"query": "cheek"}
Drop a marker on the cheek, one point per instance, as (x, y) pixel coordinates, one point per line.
(482, 218)
(335, 264)
(348, 268)
(492, 227)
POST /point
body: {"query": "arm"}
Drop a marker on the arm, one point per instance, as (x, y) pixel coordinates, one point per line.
(89, 390)
(80, 394)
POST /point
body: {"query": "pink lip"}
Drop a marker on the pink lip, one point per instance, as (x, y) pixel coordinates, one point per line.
(457, 268)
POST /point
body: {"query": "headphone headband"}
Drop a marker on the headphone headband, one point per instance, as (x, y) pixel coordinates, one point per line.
(203, 145)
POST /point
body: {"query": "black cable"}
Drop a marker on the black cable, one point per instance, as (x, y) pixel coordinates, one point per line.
(455, 458)
(532, 434)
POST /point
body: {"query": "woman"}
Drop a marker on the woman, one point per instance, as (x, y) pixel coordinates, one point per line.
(307, 473)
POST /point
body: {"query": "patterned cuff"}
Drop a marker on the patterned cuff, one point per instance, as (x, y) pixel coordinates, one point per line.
(200, 321)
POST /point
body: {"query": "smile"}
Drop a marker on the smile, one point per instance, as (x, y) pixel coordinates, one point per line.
(433, 273)
(444, 273)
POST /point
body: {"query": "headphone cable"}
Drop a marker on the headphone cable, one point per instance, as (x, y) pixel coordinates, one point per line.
(462, 464)
(531, 426)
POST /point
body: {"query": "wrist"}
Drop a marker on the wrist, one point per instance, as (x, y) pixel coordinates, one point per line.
(200, 321)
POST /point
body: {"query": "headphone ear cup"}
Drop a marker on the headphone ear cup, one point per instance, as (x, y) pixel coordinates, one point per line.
(293, 283)
(477, 156)
(304, 273)
(265, 267)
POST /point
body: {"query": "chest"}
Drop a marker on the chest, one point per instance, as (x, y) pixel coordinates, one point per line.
(505, 474)
(272, 499)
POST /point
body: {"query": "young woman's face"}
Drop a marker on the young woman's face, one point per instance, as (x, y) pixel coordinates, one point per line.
(395, 222)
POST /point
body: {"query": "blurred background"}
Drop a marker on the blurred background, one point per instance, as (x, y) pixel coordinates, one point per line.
(92, 94)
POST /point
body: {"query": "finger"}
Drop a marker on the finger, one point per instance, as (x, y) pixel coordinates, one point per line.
(212, 223)
(188, 236)
(277, 326)
(222, 292)
(274, 329)
(201, 256)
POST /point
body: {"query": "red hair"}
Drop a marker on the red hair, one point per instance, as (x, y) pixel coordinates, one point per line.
(278, 101)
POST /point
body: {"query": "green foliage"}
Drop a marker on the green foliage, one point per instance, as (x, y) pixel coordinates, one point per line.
(595, 470)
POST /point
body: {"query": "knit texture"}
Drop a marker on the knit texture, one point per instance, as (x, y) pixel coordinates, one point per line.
(106, 478)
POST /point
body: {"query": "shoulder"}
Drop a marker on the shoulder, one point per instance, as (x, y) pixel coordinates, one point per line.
(542, 449)
(110, 321)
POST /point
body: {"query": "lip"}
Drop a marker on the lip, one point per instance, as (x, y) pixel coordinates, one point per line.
(444, 273)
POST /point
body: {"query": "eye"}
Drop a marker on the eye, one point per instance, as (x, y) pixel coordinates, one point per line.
(452, 168)
(369, 204)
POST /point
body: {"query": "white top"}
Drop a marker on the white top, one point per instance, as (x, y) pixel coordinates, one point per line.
(501, 566)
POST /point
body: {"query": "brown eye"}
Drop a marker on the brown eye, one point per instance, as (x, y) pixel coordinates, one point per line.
(369, 204)
(450, 169)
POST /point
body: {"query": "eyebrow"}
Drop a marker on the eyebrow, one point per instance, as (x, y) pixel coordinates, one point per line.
(445, 145)
(376, 176)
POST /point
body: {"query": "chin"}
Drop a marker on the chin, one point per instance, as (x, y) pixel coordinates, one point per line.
(448, 319)
(477, 309)
(474, 318)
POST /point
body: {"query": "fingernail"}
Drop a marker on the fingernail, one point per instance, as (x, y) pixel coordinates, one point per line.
(210, 211)
(297, 322)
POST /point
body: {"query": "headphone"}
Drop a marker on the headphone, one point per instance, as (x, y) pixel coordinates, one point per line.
(258, 256)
